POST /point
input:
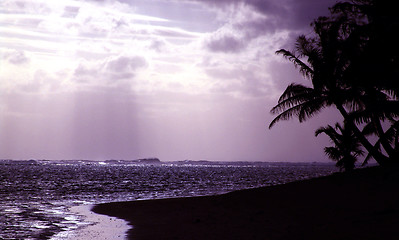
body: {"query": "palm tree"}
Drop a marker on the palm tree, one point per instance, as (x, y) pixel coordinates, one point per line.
(327, 90)
(373, 70)
(346, 149)
(335, 61)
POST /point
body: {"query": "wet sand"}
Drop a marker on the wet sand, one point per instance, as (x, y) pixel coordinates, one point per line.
(362, 205)
(96, 226)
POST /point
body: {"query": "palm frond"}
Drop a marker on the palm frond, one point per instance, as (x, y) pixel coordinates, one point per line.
(310, 109)
(293, 90)
(321, 130)
(307, 47)
(361, 116)
(333, 153)
(331, 133)
(295, 96)
(390, 133)
(303, 67)
(285, 115)
(359, 152)
(303, 111)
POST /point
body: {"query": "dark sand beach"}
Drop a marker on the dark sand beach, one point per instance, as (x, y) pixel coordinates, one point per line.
(360, 205)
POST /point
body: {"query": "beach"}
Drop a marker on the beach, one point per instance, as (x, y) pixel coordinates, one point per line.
(359, 205)
(96, 226)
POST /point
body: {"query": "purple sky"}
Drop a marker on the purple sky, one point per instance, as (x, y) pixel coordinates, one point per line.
(192, 79)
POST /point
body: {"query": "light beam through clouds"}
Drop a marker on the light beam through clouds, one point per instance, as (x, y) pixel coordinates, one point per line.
(170, 79)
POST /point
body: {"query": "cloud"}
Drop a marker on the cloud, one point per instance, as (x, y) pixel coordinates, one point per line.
(70, 11)
(243, 79)
(245, 82)
(157, 45)
(290, 14)
(112, 73)
(173, 33)
(228, 44)
(251, 19)
(125, 64)
(108, 70)
(16, 57)
(124, 67)
(242, 24)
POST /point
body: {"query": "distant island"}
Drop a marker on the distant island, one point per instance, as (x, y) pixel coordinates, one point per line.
(137, 161)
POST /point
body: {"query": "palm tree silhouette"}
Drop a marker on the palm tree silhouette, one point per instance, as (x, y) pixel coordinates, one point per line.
(342, 60)
(372, 72)
(327, 89)
(346, 149)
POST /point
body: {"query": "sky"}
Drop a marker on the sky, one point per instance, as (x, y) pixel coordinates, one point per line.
(173, 79)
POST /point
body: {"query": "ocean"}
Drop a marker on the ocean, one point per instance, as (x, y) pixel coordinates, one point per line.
(36, 196)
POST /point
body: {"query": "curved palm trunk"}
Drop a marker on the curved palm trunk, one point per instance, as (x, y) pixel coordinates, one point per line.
(388, 148)
(377, 155)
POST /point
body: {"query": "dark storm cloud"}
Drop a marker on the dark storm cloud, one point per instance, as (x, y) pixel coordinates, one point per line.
(272, 16)
(292, 14)
(287, 14)
(277, 15)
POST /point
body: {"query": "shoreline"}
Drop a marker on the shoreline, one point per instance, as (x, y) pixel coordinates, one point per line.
(360, 205)
(96, 226)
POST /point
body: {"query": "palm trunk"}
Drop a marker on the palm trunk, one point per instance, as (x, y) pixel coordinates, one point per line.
(380, 132)
(377, 155)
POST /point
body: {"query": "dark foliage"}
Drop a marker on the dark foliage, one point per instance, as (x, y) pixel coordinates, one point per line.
(352, 61)
(346, 147)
